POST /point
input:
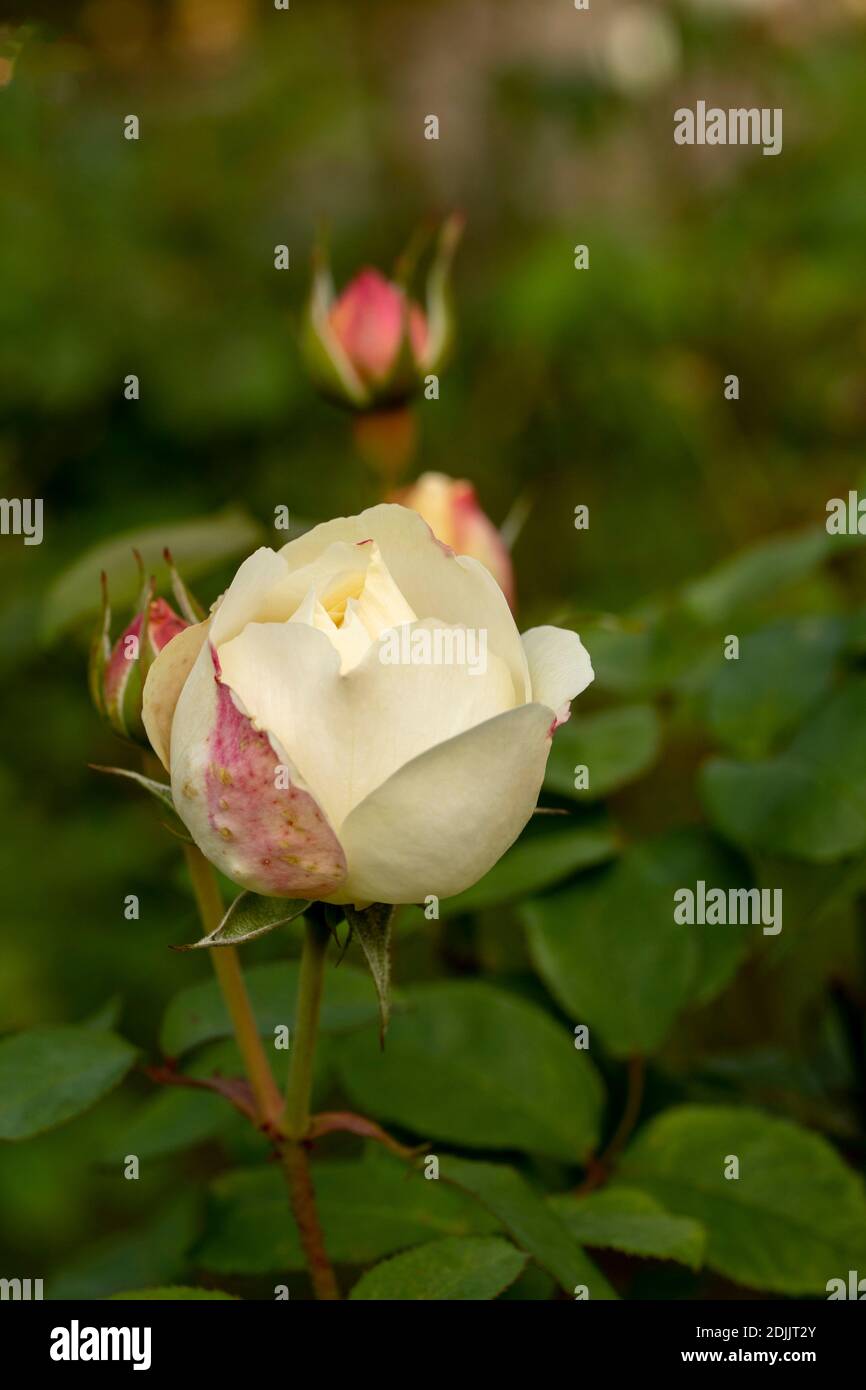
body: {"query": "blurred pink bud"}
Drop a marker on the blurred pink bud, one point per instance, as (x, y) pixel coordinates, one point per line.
(451, 510)
(373, 347)
(368, 321)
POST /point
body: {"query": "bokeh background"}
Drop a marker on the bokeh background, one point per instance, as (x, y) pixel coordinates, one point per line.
(602, 387)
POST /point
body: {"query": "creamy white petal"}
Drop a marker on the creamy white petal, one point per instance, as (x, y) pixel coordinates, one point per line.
(165, 681)
(249, 596)
(443, 820)
(347, 733)
(559, 667)
(435, 582)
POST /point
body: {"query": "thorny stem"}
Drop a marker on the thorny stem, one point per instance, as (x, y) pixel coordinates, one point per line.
(303, 1199)
(288, 1124)
(269, 1102)
(294, 1120)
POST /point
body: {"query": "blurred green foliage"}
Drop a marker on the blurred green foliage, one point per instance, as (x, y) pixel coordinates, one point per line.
(706, 518)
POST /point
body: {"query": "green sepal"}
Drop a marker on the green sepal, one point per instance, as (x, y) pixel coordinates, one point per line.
(325, 359)
(100, 651)
(189, 606)
(441, 317)
(249, 917)
(161, 790)
(125, 712)
(372, 925)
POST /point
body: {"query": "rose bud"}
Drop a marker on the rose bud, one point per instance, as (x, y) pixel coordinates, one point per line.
(117, 673)
(359, 719)
(374, 345)
(450, 508)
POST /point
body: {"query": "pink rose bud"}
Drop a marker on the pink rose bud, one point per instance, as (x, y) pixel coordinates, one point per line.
(450, 508)
(369, 321)
(117, 673)
(375, 345)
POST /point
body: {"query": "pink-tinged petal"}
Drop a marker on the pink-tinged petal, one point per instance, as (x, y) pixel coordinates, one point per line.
(121, 664)
(264, 831)
(367, 321)
(163, 624)
(348, 731)
(477, 536)
(559, 668)
(451, 509)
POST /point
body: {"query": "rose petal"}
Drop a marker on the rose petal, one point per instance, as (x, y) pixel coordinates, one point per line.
(436, 583)
(559, 668)
(165, 681)
(346, 733)
(271, 837)
(444, 819)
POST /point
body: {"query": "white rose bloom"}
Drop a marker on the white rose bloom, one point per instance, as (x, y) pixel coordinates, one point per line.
(306, 761)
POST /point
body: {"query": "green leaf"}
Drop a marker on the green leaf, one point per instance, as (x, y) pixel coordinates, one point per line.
(621, 1218)
(173, 1119)
(49, 1075)
(616, 746)
(477, 1066)
(534, 1285)
(756, 573)
(529, 1221)
(249, 917)
(372, 926)
(176, 1293)
(198, 1014)
(196, 546)
(660, 649)
(161, 790)
(551, 848)
(368, 1209)
(610, 952)
(151, 1254)
(781, 672)
(793, 1219)
(106, 1018)
(475, 1267)
(810, 801)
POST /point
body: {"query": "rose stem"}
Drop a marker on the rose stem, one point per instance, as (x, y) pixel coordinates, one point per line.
(297, 1115)
(598, 1170)
(269, 1102)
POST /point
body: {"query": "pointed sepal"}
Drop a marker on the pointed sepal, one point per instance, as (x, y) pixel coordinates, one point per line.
(249, 917)
(372, 926)
(161, 790)
(441, 316)
(100, 651)
(189, 606)
(325, 358)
